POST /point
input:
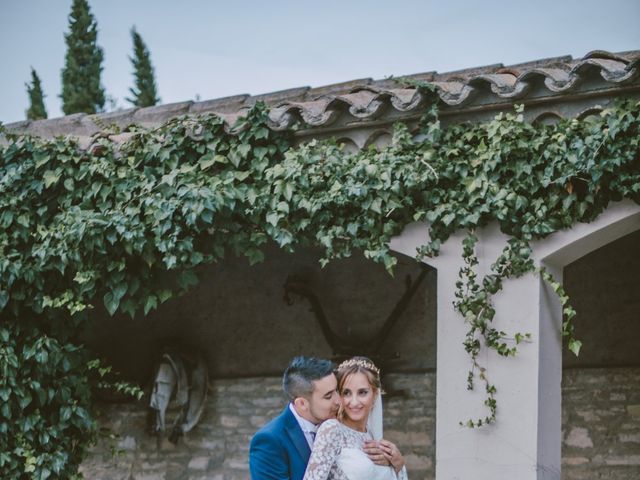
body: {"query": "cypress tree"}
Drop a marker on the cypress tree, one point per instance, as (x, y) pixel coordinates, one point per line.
(36, 109)
(81, 89)
(144, 92)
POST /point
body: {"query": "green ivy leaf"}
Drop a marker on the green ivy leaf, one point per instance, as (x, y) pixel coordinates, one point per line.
(254, 255)
(187, 278)
(151, 302)
(111, 302)
(272, 218)
(575, 346)
(50, 178)
(206, 161)
(4, 298)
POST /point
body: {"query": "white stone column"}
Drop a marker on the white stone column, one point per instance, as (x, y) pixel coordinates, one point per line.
(525, 441)
(513, 447)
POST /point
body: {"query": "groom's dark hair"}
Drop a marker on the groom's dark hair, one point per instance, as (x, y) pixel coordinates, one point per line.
(298, 378)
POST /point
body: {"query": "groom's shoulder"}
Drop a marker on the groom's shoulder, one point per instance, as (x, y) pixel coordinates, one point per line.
(276, 424)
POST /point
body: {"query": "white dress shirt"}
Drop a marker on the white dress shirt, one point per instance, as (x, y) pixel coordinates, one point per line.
(308, 428)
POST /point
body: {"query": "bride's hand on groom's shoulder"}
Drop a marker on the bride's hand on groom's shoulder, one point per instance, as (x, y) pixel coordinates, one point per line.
(384, 452)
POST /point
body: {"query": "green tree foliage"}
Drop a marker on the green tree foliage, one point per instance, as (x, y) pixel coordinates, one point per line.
(127, 226)
(36, 109)
(81, 88)
(144, 94)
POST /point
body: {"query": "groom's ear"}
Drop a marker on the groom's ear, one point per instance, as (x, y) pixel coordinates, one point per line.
(301, 404)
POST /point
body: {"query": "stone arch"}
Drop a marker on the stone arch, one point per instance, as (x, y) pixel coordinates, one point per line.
(525, 443)
(554, 253)
(348, 144)
(562, 248)
(379, 138)
(594, 110)
(548, 118)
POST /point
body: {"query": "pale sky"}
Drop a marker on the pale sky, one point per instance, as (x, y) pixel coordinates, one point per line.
(211, 49)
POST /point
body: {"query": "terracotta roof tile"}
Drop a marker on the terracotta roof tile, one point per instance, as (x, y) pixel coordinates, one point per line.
(223, 105)
(368, 100)
(274, 98)
(337, 88)
(160, 113)
(365, 99)
(524, 66)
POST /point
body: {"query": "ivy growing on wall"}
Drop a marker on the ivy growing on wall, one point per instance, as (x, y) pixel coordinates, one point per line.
(125, 226)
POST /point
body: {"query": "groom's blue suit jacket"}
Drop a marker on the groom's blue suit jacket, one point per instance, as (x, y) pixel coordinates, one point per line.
(279, 450)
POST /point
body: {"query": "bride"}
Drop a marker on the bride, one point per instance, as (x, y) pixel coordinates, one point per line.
(338, 448)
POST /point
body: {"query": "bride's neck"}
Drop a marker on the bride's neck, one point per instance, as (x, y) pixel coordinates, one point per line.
(360, 426)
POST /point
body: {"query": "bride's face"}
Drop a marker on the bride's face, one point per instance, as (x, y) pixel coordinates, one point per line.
(357, 397)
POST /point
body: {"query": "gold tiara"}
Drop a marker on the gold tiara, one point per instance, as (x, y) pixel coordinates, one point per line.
(360, 363)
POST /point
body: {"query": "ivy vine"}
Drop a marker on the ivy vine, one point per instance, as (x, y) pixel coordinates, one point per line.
(123, 227)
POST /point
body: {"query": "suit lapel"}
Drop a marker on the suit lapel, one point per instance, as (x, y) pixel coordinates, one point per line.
(297, 436)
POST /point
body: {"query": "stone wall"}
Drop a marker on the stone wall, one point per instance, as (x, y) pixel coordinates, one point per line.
(218, 448)
(601, 429)
(601, 424)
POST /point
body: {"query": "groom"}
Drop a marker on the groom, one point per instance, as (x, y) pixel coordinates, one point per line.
(281, 449)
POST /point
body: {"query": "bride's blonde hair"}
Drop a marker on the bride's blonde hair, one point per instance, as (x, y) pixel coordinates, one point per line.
(357, 365)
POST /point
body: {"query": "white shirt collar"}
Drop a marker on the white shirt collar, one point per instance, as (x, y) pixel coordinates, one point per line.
(305, 424)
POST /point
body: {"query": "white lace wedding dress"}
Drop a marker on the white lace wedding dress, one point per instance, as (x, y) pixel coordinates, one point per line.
(337, 455)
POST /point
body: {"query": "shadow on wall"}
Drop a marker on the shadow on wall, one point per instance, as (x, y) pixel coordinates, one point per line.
(604, 287)
(250, 320)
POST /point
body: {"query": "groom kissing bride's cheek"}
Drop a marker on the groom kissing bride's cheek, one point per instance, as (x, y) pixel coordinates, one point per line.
(330, 430)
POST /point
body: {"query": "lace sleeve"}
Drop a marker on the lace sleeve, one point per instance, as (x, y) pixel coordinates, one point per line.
(326, 448)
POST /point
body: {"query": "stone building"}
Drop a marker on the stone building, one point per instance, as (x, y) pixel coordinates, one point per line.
(560, 416)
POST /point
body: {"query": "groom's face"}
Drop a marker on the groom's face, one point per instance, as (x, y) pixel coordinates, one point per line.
(324, 401)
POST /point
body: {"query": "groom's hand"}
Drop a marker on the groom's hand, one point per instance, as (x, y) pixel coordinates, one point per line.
(374, 451)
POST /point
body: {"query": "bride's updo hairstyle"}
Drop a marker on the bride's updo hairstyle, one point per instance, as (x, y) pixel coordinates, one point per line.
(358, 365)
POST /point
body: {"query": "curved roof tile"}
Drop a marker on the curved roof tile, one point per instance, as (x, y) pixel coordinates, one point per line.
(367, 99)
(561, 75)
